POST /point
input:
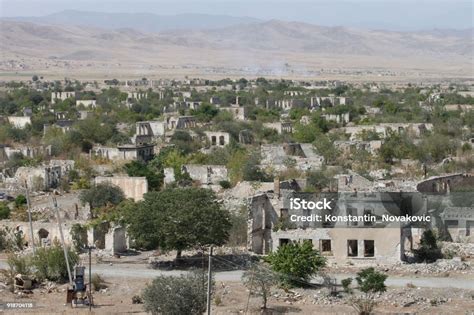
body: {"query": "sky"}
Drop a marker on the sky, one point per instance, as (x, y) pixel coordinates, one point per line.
(373, 14)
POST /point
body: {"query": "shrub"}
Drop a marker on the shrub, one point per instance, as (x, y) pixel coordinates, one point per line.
(50, 263)
(370, 282)
(20, 200)
(428, 250)
(98, 282)
(259, 280)
(346, 283)
(225, 184)
(79, 236)
(4, 211)
(16, 265)
(296, 263)
(171, 295)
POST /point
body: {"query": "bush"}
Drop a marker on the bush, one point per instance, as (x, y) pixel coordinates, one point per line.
(79, 236)
(428, 251)
(346, 283)
(50, 263)
(4, 211)
(370, 282)
(296, 263)
(20, 200)
(225, 184)
(98, 282)
(259, 280)
(171, 295)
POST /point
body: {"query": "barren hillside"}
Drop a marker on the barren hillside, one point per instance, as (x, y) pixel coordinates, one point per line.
(267, 48)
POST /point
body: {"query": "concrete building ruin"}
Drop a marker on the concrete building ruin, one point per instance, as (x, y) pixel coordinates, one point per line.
(19, 122)
(298, 155)
(206, 174)
(181, 122)
(86, 103)
(239, 113)
(148, 131)
(415, 129)
(61, 96)
(269, 226)
(280, 127)
(127, 152)
(217, 138)
(132, 187)
(39, 178)
(331, 100)
(112, 239)
(340, 119)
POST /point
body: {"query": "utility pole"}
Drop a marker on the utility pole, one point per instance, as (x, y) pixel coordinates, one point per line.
(209, 282)
(55, 202)
(90, 248)
(32, 235)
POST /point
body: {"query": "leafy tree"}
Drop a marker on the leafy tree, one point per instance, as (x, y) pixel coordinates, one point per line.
(205, 113)
(251, 170)
(296, 263)
(79, 236)
(260, 279)
(153, 177)
(326, 148)
(176, 295)
(178, 219)
(101, 195)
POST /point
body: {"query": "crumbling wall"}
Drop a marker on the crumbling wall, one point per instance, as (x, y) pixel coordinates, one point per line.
(132, 187)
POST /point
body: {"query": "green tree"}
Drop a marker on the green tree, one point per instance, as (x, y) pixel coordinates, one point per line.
(296, 263)
(154, 177)
(260, 279)
(101, 195)
(176, 295)
(428, 251)
(178, 219)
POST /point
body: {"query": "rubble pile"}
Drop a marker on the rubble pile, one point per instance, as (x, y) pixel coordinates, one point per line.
(440, 266)
(465, 250)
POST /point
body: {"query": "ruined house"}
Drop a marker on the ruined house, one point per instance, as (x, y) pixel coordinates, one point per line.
(331, 100)
(127, 152)
(204, 174)
(338, 118)
(298, 155)
(271, 224)
(132, 187)
(280, 127)
(414, 129)
(86, 103)
(39, 178)
(181, 122)
(19, 121)
(148, 131)
(239, 113)
(217, 138)
(61, 96)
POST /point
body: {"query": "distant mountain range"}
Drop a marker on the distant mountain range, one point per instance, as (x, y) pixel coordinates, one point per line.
(217, 41)
(144, 22)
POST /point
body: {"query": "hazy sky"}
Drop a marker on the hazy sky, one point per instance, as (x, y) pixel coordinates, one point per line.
(384, 14)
